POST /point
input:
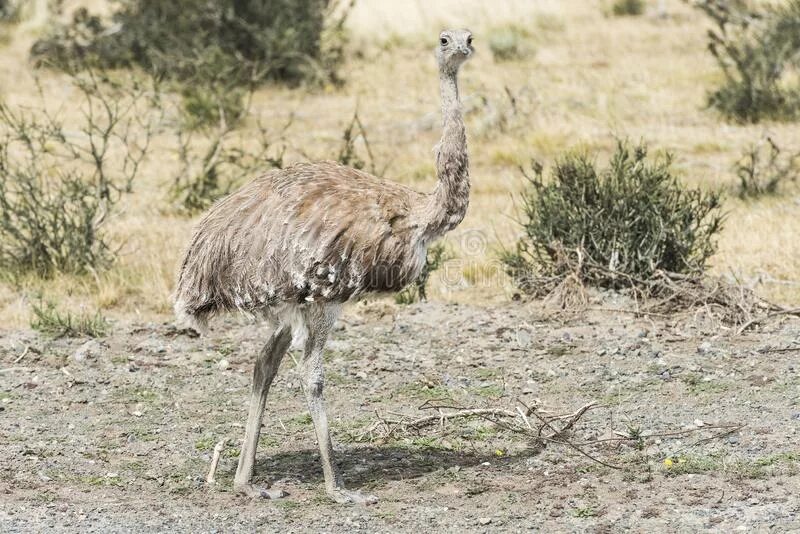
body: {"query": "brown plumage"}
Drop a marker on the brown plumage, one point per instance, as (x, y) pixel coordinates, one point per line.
(296, 243)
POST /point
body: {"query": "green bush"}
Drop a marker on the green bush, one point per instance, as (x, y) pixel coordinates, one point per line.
(59, 186)
(759, 55)
(9, 11)
(509, 43)
(611, 228)
(623, 8)
(49, 320)
(224, 43)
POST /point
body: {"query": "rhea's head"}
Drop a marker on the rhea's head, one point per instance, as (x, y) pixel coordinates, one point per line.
(454, 48)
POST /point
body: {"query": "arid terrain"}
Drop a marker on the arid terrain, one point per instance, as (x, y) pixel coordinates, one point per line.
(117, 435)
(696, 426)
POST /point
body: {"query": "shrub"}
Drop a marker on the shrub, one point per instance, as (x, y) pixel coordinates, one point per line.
(759, 54)
(509, 43)
(349, 153)
(611, 228)
(205, 106)
(59, 186)
(49, 320)
(207, 174)
(9, 11)
(417, 291)
(763, 168)
(228, 42)
(627, 8)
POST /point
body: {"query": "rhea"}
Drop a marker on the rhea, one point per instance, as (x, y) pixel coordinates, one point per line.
(295, 244)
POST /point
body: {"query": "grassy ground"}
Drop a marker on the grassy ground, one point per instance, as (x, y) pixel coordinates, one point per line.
(587, 80)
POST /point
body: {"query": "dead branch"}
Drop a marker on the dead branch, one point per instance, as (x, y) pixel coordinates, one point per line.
(551, 428)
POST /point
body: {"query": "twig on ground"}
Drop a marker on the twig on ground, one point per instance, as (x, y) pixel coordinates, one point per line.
(212, 471)
(13, 369)
(19, 358)
(552, 428)
(757, 320)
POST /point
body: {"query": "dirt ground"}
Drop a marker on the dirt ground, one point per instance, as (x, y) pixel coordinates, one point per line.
(116, 434)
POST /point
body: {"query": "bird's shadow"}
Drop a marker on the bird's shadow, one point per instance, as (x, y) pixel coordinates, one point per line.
(372, 465)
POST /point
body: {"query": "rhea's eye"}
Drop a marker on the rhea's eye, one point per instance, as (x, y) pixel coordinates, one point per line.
(443, 40)
(469, 41)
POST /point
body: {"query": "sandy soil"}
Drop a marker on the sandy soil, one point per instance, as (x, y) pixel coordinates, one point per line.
(116, 434)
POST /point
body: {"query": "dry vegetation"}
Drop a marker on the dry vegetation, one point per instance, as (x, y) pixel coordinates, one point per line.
(592, 79)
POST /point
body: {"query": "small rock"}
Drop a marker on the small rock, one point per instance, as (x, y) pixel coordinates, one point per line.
(523, 338)
(223, 364)
(704, 348)
(90, 349)
(485, 520)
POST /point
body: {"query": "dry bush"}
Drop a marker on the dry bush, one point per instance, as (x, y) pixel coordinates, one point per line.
(764, 168)
(212, 168)
(59, 184)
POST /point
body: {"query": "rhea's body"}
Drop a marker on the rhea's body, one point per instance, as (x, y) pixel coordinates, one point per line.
(313, 232)
(296, 243)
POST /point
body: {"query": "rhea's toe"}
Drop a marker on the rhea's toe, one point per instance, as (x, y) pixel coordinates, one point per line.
(258, 492)
(343, 496)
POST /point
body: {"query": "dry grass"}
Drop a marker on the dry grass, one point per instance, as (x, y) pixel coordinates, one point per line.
(592, 78)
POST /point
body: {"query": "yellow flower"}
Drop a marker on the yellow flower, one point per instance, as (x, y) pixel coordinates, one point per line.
(668, 463)
(499, 452)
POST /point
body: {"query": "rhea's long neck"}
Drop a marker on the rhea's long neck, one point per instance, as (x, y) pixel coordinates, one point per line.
(448, 203)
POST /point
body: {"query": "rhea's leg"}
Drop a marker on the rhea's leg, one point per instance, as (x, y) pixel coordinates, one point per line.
(319, 321)
(267, 363)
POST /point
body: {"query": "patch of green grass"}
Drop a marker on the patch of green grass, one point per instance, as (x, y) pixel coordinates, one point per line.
(337, 379)
(303, 419)
(736, 468)
(690, 464)
(225, 349)
(425, 391)
(232, 452)
(267, 441)
(492, 391)
(204, 444)
(696, 385)
(558, 350)
(485, 432)
(584, 512)
(51, 321)
(136, 394)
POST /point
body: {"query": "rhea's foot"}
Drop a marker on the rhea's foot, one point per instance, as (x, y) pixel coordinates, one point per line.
(257, 492)
(343, 496)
